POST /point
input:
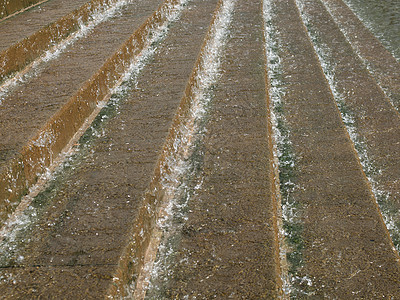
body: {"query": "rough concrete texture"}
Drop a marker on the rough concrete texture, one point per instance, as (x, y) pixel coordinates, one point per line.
(53, 105)
(347, 249)
(88, 232)
(229, 243)
(7, 8)
(87, 222)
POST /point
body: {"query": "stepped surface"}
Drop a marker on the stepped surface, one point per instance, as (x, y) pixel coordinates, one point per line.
(10, 8)
(198, 149)
(27, 23)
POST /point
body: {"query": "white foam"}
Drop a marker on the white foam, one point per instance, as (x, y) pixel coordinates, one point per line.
(284, 158)
(99, 15)
(175, 182)
(16, 224)
(356, 50)
(382, 196)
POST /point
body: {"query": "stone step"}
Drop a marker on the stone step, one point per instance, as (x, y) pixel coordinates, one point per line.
(29, 35)
(39, 118)
(10, 8)
(375, 125)
(229, 247)
(342, 242)
(23, 25)
(86, 217)
(198, 149)
(382, 65)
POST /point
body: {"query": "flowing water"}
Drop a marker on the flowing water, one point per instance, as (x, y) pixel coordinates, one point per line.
(290, 230)
(383, 197)
(383, 19)
(183, 162)
(100, 15)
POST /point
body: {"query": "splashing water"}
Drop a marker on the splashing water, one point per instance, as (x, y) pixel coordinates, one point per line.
(382, 18)
(290, 226)
(12, 235)
(362, 58)
(384, 199)
(99, 15)
(182, 180)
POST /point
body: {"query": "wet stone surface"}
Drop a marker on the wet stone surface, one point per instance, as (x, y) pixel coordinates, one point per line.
(382, 18)
(228, 244)
(28, 22)
(68, 243)
(377, 122)
(27, 108)
(347, 249)
(85, 225)
(381, 63)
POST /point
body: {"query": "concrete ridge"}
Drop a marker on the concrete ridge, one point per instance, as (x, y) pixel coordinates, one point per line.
(335, 196)
(23, 53)
(42, 150)
(253, 139)
(355, 102)
(281, 247)
(9, 9)
(145, 231)
(379, 61)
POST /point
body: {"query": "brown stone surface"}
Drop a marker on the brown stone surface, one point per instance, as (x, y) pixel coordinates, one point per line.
(385, 68)
(27, 108)
(8, 8)
(228, 245)
(54, 104)
(85, 221)
(39, 282)
(26, 36)
(376, 120)
(347, 250)
(27, 23)
(94, 220)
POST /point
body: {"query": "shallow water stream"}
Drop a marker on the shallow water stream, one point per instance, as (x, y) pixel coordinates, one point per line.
(382, 18)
